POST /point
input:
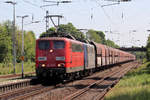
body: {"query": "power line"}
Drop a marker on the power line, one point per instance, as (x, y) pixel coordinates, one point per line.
(31, 3)
(28, 2)
(105, 13)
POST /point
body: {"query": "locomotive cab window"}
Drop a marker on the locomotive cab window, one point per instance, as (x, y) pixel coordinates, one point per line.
(44, 44)
(59, 44)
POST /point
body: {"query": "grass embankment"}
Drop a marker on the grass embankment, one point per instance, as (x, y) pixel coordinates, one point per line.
(9, 69)
(134, 86)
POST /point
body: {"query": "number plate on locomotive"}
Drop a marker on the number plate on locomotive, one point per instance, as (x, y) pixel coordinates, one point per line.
(42, 58)
(60, 58)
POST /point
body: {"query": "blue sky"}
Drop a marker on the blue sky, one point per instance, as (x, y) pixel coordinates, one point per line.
(118, 20)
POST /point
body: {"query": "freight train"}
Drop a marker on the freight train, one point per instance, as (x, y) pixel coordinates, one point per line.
(67, 58)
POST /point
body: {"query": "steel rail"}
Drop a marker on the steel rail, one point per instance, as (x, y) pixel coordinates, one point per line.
(82, 91)
(32, 92)
(15, 75)
(35, 92)
(19, 91)
(24, 93)
(105, 91)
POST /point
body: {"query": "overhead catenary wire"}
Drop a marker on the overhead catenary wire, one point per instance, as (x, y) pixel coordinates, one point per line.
(28, 2)
(37, 6)
(105, 13)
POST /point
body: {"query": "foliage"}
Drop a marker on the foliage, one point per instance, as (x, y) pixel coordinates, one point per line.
(30, 46)
(134, 86)
(111, 44)
(51, 30)
(28, 67)
(65, 29)
(5, 42)
(99, 37)
(18, 45)
(139, 55)
(102, 35)
(148, 49)
(92, 35)
(69, 29)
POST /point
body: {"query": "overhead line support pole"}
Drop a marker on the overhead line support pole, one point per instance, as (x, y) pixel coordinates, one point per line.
(13, 35)
(14, 38)
(47, 21)
(22, 52)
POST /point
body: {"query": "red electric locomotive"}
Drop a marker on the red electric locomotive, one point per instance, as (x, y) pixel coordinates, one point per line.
(56, 56)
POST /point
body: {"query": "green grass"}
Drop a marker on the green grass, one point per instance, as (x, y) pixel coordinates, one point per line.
(134, 86)
(9, 69)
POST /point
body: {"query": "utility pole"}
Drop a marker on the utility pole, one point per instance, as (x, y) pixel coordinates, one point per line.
(56, 16)
(13, 35)
(51, 18)
(22, 52)
(47, 21)
(54, 3)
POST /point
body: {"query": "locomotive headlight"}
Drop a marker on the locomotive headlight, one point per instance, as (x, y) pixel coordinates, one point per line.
(43, 65)
(51, 50)
(61, 65)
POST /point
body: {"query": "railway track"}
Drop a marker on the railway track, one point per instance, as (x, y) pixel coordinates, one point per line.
(69, 91)
(64, 91)
(26, 92)
(16, 75)
(103, 86)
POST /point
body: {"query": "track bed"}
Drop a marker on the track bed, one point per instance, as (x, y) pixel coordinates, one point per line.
(91, 87)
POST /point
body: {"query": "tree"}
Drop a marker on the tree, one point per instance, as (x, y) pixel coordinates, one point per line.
(111, 44)
(70, 29)
(5, 42)
(50, 31)
(65, 29)
(30, 46)
(92, 35)
(102, 35)
(148, 49)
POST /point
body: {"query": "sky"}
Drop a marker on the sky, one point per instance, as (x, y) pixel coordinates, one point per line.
(126, 23)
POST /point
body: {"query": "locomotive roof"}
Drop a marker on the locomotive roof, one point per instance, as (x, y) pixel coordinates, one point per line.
(76, 41)
(62, 38)
(52, 38)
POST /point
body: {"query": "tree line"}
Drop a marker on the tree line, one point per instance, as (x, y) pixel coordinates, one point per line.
(148, 48)
(6, 55)
(92, 35)
(6, 44)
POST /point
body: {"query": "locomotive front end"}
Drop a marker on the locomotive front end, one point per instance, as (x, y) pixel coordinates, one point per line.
(50, 57)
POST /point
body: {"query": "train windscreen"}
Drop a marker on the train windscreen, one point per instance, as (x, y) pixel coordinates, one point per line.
(44, 44)
(59, 44)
